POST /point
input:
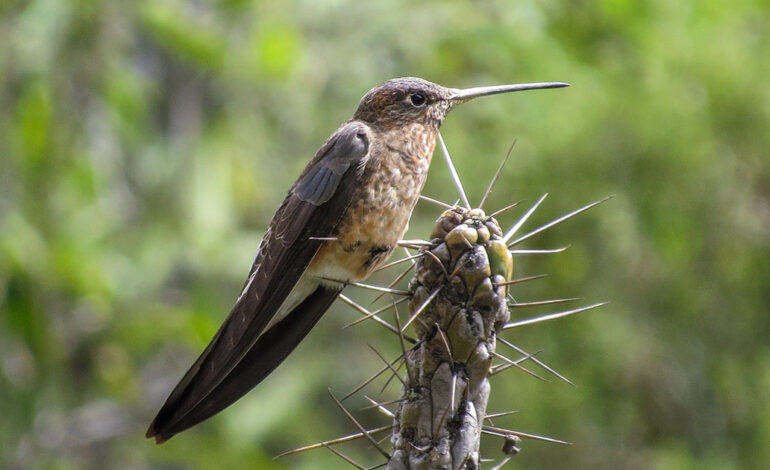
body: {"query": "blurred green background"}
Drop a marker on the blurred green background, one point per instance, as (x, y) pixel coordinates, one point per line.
(144, 146)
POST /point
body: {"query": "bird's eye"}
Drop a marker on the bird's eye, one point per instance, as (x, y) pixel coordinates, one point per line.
(417, 99)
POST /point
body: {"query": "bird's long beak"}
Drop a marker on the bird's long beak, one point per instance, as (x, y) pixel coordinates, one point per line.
(461, 96)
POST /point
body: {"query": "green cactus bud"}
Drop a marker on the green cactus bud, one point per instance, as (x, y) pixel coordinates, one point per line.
(484, 234)
(500, 258)
(477, 213)
(462, 236)
(450, 219)
(475, 267)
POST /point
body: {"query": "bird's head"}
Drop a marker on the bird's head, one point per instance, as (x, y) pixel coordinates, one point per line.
(407, 100)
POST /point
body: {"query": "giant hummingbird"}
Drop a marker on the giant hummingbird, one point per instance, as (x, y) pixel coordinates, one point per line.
(340, 220)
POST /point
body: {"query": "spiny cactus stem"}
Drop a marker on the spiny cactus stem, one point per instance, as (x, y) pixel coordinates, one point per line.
(458, 301)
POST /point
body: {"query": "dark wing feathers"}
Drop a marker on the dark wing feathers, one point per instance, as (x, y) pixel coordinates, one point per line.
(314, 187)
(352, 136)
(320, 181)
(251, 312)
(270, 350)
(213, 382)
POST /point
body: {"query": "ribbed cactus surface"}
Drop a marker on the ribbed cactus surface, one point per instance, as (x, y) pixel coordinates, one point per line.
(458, 302)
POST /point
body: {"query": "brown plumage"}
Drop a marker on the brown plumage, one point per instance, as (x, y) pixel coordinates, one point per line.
(360, 188)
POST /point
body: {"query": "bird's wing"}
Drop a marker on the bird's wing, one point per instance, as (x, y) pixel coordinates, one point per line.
(240, 355)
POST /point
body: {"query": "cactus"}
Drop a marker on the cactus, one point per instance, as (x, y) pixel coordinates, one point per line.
(458, 301)
(457, 305)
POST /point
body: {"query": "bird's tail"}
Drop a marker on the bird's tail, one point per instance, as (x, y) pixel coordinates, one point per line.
(188, 406)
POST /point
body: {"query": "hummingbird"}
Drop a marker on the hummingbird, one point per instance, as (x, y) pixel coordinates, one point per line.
(341, 219)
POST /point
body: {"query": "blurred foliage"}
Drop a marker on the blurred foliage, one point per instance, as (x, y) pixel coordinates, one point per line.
(144, 146)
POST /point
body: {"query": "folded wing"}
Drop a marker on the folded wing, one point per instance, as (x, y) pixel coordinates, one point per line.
(241, 353)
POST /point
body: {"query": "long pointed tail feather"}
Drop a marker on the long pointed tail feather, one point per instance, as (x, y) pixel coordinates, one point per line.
(182, 410)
